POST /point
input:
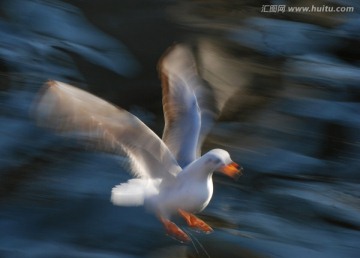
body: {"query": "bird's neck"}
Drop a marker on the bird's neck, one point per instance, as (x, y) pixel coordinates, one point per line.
(198, 169)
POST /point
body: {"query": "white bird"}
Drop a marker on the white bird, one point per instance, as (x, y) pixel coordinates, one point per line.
(171, 177)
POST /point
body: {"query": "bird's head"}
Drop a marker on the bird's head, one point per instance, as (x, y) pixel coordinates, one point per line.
(220, 161)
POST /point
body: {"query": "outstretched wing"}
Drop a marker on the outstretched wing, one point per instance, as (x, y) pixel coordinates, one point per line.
(70, 110)
(187, 112)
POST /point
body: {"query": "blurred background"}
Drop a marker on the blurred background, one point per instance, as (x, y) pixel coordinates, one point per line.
(288, 87)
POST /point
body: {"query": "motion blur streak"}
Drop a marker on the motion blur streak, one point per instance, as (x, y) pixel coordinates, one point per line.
(290, 115)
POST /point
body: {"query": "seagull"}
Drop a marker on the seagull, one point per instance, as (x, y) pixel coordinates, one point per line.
(170, 176)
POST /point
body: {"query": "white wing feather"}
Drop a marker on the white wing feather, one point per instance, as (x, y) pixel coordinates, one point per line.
(186, 104)
(71, 110)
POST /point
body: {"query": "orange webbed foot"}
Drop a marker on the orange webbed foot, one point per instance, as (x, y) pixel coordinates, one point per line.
(195, 222)
(173, 230)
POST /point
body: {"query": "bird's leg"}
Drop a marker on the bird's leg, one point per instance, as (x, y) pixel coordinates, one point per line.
(175, 231)
(195, 222)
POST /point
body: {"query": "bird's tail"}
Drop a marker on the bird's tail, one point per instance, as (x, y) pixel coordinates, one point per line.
(131, 193)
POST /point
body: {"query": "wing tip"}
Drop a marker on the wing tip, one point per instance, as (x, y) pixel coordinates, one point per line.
(171, 50)
(51, 83)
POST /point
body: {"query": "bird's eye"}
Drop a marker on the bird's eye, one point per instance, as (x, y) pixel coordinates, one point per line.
(216, 161)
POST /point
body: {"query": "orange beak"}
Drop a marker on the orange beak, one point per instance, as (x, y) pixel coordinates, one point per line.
(232, 170)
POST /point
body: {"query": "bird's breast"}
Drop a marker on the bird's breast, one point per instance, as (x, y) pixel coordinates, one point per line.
(189, 194)
(196, 196)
